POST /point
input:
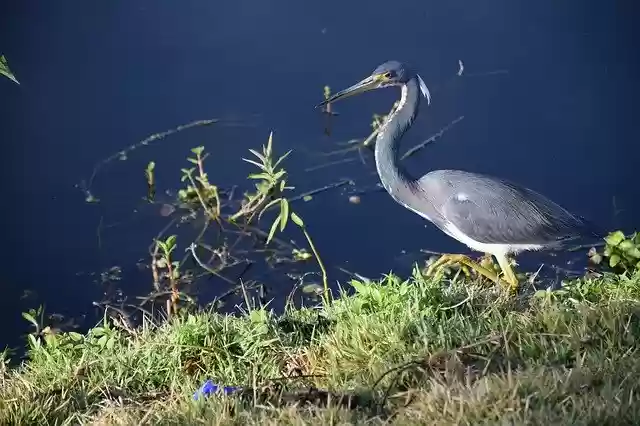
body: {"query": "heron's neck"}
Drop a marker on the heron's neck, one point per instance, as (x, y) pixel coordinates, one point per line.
(395, 179)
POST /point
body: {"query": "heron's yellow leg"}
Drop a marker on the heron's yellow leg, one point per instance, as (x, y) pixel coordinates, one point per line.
(507, 272)
(448, 259)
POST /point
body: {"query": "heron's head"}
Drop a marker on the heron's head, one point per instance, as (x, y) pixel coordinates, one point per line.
(390, 73)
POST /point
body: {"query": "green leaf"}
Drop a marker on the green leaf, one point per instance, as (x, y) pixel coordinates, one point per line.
(51, 339)
(30, 318)
(614, 238)
(255, 163)
(197, 150)
(176, 273)
(257, 154)
(284, 213)
(203, 180)
(626, 245)
(171, 241)
(111, 342)
(268, 150)
(102, 341)
(192, 160)
(307, 198)
(76, 337)
(596, 259)
(33, 341)
(4, 70)
(358, 286)
(260, 176)
(281, 159)
(297, 220)
(377, 295)
(268, 206)
(272, 231)
(614, 260)
(633, 252)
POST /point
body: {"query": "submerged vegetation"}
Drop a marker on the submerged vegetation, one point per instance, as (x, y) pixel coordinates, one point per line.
(421, 350)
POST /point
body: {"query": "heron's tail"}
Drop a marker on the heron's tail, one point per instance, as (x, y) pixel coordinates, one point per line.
(588, 232)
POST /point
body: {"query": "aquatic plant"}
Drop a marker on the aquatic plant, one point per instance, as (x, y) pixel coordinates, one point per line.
(5, 71)
(199, 194)
(621, 253)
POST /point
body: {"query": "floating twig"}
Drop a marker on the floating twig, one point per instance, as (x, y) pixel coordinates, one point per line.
(322, 189)
(433, 138)
(329, 164)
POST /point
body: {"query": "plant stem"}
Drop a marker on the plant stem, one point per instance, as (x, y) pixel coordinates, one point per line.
(154, 268)
(172, 281)
(203, 179)
(204, 205)
(322, 268)
(200, 165)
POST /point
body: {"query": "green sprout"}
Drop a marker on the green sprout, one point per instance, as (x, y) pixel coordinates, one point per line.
(151, 180)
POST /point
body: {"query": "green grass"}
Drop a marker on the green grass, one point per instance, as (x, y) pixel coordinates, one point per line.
(471, 355)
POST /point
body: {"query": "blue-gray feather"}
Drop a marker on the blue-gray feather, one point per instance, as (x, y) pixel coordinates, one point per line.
(495, 211)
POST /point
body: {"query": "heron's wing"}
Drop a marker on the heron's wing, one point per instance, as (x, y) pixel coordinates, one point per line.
(495, 211)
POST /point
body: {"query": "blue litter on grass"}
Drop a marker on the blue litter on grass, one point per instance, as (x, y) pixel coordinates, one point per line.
(209, 388)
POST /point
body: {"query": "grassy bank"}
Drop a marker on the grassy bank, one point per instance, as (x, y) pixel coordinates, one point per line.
(478, 358)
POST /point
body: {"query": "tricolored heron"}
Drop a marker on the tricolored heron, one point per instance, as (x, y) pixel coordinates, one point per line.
(487, 214)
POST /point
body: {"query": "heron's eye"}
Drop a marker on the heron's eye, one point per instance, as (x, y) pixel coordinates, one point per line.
(387, 75)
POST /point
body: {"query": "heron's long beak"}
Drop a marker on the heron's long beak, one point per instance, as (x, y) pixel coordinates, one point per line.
(365, 85)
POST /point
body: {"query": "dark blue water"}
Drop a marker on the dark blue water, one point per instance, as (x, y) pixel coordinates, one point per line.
(99, 76)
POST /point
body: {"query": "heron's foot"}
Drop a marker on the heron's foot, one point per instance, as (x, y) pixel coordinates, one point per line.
(465, 262)
(508, 275)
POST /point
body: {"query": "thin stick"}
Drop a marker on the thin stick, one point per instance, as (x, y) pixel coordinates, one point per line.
(322, 189)
(329, 164)
(192, 248)
(433, 138)
(145, 142)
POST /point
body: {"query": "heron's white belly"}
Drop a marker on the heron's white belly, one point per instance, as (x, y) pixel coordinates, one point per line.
(495, 249)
